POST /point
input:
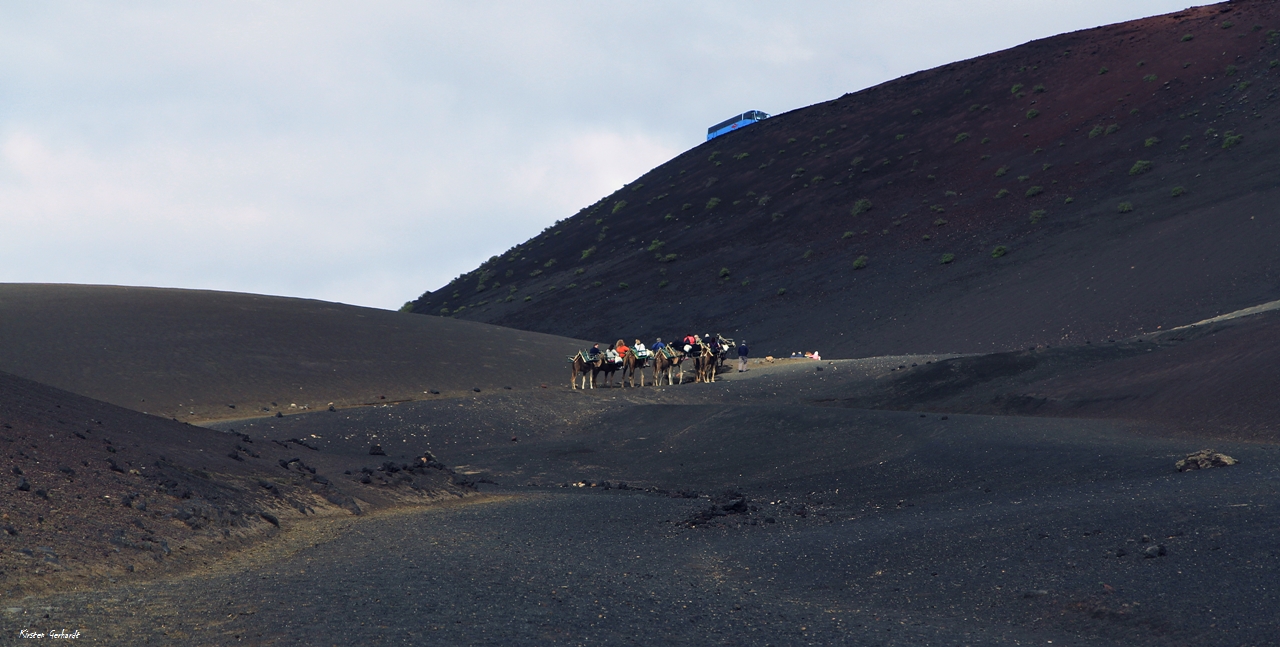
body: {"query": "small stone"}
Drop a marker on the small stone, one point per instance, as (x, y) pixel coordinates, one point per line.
(1153, 551)
(23, 485)
(376, 450)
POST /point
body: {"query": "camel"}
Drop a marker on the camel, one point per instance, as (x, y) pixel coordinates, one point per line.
(664, 364)
(607, 366)
(582, 367)
(632, 365)
(704, 364)
(726, 345)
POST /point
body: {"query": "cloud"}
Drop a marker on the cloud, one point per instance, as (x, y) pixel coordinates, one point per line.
(366, 152)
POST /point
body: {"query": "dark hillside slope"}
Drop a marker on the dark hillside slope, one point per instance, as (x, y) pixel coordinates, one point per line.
(200, 355)
(1088, 186)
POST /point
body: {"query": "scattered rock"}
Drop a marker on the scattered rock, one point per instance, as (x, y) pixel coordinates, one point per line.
(376, 450)
(279, 414)
(1153, 551)
(23, 485)
(1203, 460)
(270, 518)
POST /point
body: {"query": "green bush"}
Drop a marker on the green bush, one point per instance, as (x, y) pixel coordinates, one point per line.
(1231, 70)
(1002, 193)
(1151, 141)
(724, 272)
(939, 222)
(1125, 207)
(1017, 87)
(1033, 113)
(579, 271)
(549, 263)
(1150, 78)
(1035, 191)
(586, 253)
(742, 156)
(860, 207)
(1001, 171)
(961, 137)
(667, 259)
(535, 273)
(946, 258)
(1037, 216)
(663, 283)
(1039, 89)
(782, 291)
(571, 286)
(1177, 191)
(999, 251)
(1230, 139)
(776, 216)
(1187, 38)
(899, 137)
(618, 206)
(528, 298)
(1097, 130)
(1112, 128)
(1024, 178)
(1140, 167)
(656, 245)
(1069, 200)
(808, 253)
(711, 204)
(847, 235)
(1104, 70)
(859, 262)
(686, 206)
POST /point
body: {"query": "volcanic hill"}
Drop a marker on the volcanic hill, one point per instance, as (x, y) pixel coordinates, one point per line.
(1087, 186)
(200, 355)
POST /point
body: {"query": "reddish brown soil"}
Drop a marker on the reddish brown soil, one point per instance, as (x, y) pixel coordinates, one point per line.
(925, 149)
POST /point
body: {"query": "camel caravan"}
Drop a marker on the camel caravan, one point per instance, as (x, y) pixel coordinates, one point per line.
(665, 361)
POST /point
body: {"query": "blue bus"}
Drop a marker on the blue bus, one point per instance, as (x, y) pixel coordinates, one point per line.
(733, 123)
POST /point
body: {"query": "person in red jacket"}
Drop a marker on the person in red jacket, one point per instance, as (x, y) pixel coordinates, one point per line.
(621, 348)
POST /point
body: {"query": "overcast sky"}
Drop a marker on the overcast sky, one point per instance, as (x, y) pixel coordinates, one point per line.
(365, 152)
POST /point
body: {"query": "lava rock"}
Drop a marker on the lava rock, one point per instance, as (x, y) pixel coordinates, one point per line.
(376, 450)
(1203, 460)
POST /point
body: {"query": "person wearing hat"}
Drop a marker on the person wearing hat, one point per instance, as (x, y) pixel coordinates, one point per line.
(743, 351)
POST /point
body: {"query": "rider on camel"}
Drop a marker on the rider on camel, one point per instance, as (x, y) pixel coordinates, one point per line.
(621, 349)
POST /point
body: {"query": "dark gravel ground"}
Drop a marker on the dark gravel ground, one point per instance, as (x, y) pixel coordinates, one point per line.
(1067, 561)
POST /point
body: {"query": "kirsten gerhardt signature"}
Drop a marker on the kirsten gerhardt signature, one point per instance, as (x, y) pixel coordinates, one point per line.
(60, 634)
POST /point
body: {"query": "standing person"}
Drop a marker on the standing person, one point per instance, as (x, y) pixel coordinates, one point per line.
(743, 351)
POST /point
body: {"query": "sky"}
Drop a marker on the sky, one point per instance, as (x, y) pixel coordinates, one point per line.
(366, 152)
